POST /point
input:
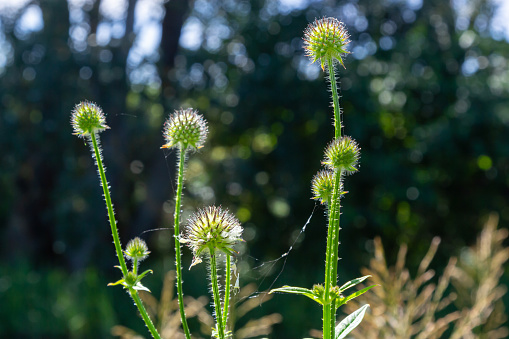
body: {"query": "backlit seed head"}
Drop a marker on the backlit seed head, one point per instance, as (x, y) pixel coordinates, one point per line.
(322, 186)
(326, 39)
(212, 228)
(136, 249)
(343, 155)
(184, 129)
(87, 118)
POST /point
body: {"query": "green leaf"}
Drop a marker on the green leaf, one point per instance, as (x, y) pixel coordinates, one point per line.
(353, 282)
(354, 295)
(140, 287)
(144, 274)
(349, 323)
(120, 282)
(298, 290)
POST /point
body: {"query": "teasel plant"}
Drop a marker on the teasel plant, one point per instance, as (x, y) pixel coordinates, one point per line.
(165, 313)
(88, 120)
(185, 130)
(325, 40)
(213, 232)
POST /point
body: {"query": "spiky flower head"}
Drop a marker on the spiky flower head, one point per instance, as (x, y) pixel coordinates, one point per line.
(87, 118)
(343, 155)
(326, 39)
(322, 186)
(185, 128)
(212, 229)
(136, 249)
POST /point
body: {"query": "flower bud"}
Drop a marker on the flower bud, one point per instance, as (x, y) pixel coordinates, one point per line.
(322, 186)
(212, 228)
(185, 128)
(343, 155)
(326, 39)
(130, 279)
(136, 249)
(87, 118)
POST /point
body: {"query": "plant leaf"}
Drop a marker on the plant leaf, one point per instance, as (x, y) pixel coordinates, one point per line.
(354, 295)
(120, 282)
(298, 290)
(349, 323)
(140, 287)
(144, 274)
(353, 282)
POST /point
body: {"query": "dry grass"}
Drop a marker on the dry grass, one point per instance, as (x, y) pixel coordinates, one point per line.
(166, 316)
(465, 302)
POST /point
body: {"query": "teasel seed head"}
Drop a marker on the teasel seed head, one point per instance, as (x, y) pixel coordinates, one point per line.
(343, 155)
(326, 39)
(87, 118)
(137, 249)
(185, 128)
(322, 186)
(212, 229)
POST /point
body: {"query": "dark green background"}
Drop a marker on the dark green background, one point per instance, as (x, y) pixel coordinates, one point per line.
(427, 119)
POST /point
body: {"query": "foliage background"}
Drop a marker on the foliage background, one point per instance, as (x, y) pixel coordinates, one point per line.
(425, 93)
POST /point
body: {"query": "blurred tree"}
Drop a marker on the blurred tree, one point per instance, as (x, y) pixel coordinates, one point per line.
(424, 92)
(54, 54)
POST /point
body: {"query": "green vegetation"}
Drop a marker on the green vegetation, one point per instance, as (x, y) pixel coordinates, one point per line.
(425, 95)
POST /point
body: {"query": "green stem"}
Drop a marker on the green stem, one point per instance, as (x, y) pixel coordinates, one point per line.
(327, 284)
(329, 311)
(144, 314)
(333, 319)
(335, 224)
(116, 239)
(326, 321)
(178, 263)
(331, 261)
(135, 266)
(215, 291)
(109, 205)
(328, 251)
(335, 98)
(227, 288)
